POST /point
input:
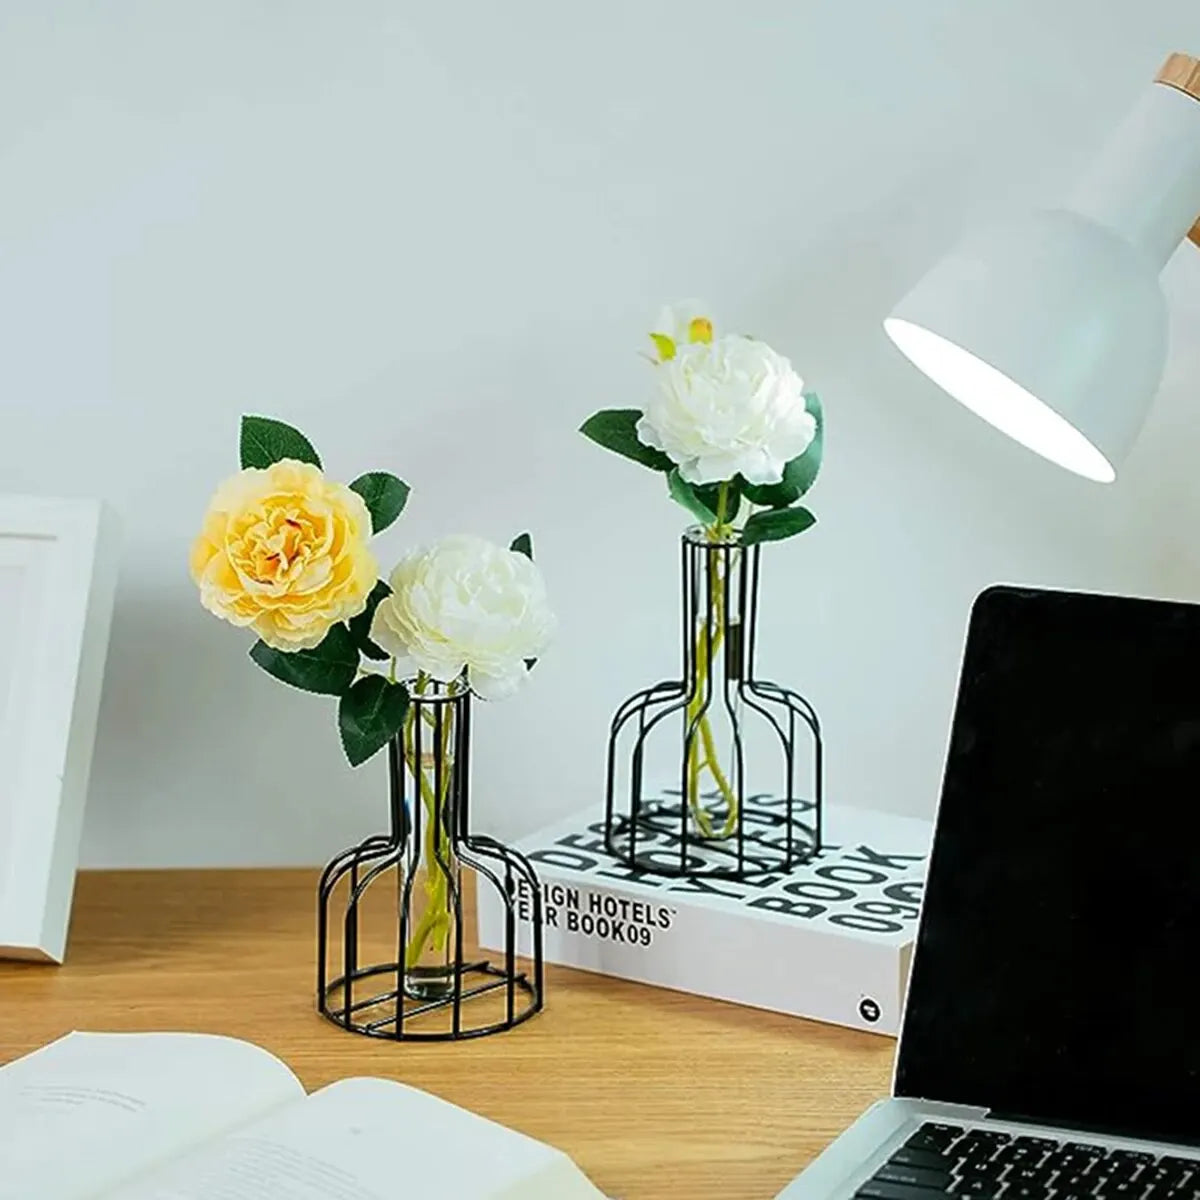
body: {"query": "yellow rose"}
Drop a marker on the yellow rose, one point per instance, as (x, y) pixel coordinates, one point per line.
(284, 551)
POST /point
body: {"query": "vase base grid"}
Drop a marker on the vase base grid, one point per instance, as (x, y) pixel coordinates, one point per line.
(481, 998)
(771, 840)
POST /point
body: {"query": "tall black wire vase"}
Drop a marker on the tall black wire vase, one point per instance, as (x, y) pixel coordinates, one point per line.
(393, 961)
(717, 774)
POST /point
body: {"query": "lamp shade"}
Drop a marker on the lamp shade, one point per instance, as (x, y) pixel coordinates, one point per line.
(1053, 326)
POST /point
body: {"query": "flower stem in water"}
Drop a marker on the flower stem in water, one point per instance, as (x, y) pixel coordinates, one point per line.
(698, 721)
(433, 928)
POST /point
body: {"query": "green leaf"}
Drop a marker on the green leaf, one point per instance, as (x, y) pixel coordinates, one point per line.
(770, 495)
(777, 524)
(370, 714)
(384, 495)
(266, 441)
(683, 493)
(523, 544)
(616, 429)
(328, 669)
(803, 471)
(360, 626)
(799, 475)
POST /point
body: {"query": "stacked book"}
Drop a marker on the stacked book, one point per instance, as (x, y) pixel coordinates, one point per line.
(830, 940)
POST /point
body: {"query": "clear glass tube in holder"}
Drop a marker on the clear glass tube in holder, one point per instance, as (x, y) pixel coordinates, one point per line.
(430, 885)
(713, 755)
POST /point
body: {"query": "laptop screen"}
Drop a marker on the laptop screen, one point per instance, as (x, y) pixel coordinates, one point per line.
(1057, 969)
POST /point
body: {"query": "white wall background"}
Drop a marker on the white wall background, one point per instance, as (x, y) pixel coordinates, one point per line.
(432, 236)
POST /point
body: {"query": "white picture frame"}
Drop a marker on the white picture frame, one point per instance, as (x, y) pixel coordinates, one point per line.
(58, 573)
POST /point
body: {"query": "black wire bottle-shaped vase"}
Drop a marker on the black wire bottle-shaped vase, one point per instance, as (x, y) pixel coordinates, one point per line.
(704, 772)
(393, 955)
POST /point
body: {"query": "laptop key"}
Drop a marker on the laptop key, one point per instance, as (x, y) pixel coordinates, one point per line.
(1163, 1190)
(984, 1188)
(1119, 1189)
(934, 1136)
(1067, 1162)
(1027, 1191)
(988, 1172)
(1189, 1188)
(1074, 1181)
(1042, 1143)
(1020, 1153)
(931, 1160)
(1029, 1150)
(981, 1142)
(978, 1152)
(1115, 1169)
(1171, 1168)
(1033, 1176)
(880, 1189)
(914, 1176)
(992, 1137)
(974, 1156)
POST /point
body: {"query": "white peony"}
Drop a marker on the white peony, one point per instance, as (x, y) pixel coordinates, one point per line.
(464, 604)
(727, 407)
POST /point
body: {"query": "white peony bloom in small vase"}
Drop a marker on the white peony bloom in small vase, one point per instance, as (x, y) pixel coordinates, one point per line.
(464, 606)
(738, 442)
(728, 407)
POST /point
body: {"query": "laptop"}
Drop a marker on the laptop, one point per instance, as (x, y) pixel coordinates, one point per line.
(1050, 1044)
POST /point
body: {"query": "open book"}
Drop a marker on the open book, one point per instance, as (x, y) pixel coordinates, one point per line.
(180, 1116)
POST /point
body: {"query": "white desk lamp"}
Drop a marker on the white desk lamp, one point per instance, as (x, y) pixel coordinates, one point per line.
(1053, 327)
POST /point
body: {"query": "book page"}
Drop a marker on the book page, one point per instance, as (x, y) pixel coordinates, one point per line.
(367, 1139)
(94, 1109)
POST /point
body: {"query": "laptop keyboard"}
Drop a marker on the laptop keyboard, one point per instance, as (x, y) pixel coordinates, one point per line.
(947, 1160)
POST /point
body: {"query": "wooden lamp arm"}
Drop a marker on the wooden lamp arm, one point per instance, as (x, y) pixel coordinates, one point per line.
(1182, 71)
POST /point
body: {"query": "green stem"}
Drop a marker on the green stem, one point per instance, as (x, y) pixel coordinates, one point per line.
(722, 527)
(433, 928)
(722, 503)
(697, 719)
(694, 764)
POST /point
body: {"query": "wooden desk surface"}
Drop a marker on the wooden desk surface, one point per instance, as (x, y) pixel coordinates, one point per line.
(653, 1093)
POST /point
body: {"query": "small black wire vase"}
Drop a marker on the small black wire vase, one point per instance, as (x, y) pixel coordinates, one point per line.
(392, 958)
(732, 743)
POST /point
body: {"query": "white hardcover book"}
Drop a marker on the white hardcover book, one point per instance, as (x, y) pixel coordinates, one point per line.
(831, 940)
